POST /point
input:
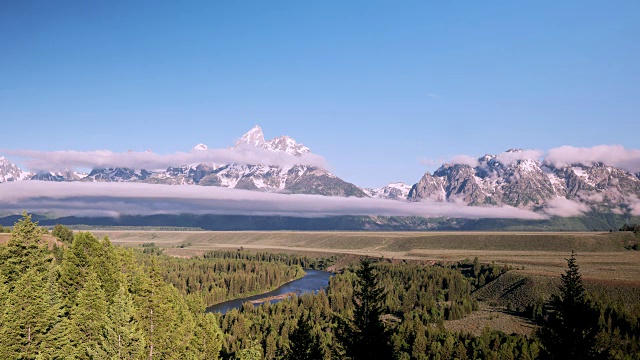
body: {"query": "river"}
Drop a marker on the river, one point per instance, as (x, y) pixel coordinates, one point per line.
(313, 281)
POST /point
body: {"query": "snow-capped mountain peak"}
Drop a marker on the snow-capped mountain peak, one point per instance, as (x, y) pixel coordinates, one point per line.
(10, 171)
(200, 147)
(253, 137)
(286, 144)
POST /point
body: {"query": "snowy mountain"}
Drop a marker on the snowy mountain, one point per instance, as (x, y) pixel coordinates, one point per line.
(397, 190)
(11, 172)
(67, 175)
(528, 183)
(117, 175)
(506, 179)
(298, 179)
(302, 179)
(255, 138)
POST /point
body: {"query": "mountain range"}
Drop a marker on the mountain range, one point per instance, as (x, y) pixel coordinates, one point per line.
(513, 180)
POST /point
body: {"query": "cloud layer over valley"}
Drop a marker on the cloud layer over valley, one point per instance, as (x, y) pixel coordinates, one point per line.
(113, 199)
(70, 159)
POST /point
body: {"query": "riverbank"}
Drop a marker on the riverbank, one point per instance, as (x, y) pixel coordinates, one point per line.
(274, 297)
(253, 295)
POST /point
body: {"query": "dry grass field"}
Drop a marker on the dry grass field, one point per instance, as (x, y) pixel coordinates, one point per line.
(602, 256)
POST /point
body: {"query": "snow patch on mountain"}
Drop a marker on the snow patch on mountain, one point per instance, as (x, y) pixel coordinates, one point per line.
(394, 190)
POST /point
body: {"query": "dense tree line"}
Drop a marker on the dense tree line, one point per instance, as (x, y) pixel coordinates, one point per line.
(94, 301)
(217, 279)
(480, 274)
(633, 227)
(287, 259)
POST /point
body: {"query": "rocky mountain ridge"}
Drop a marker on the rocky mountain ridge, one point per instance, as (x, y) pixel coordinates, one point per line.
(11, 172)
(529, 183)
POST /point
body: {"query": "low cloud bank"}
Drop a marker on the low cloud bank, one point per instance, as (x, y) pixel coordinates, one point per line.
(69, 159)
(612, 155)
(509, 158)
(565, 208)
(113, 199)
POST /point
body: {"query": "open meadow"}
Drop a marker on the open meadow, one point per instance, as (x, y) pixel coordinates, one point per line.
(602, 256)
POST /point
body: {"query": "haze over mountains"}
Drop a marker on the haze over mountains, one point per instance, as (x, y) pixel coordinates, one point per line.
(553, 186)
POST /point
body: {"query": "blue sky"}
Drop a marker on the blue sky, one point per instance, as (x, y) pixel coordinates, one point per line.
(376, 88)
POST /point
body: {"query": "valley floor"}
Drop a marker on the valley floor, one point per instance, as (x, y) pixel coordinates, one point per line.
(602, 256)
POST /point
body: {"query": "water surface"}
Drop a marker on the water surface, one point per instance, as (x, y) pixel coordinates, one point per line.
(313, 281)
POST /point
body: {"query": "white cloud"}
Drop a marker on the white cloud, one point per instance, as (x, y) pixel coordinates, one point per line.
(69, 159)
(633, 204)
(509, 158)
(612, 155)
(564, 208)
(87, 199)
(464, 160)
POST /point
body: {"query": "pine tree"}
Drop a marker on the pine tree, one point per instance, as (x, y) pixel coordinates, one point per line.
(366, 337)
(90, 325)
(570, 331)
(78, 262)
(164, 316)
(24, 251)
(253, 352)
(126, 339)
(304, 345)
(27, 317)
(63, 233)
(207, 340)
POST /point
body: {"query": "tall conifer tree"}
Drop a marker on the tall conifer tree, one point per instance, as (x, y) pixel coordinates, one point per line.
(570, 331)
(366, 336)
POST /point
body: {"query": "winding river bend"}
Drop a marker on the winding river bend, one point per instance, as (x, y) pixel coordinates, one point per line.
(313, 281)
